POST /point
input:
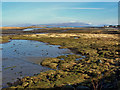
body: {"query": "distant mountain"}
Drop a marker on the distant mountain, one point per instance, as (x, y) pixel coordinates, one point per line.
(71, 24)
(101, 25)
(67, 24)
(18, 25)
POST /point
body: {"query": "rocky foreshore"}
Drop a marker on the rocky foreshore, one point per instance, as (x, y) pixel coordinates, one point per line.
(99, 69)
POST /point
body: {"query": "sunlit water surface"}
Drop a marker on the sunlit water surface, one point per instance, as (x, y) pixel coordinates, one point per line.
(23, 57)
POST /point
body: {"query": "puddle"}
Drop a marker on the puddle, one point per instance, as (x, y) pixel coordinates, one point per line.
(28, 48)
(31, 29)
(82, 57)
(23, 57)
(76, 37)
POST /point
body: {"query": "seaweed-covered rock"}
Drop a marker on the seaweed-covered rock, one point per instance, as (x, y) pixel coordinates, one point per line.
(51, 62)
(64, 66)
(68, 87)
(47, 61)
(53, 65)
(82, 88)
(25, 84)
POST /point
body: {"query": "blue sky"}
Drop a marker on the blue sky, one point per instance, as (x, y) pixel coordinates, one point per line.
(59, 12)
(60, 1)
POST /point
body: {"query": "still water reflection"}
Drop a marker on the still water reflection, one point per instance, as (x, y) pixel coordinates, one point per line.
(22, 58)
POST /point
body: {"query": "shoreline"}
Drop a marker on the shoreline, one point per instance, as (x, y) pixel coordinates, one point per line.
(101, 57)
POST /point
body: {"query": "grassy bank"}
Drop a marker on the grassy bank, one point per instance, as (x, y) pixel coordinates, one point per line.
(99, 69)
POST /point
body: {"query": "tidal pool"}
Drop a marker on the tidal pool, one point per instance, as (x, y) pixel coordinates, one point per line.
(31, 29)
(23, 57)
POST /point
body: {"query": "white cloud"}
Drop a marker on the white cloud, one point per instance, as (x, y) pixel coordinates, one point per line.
(73, 21)
(83, 8)
(80, 8)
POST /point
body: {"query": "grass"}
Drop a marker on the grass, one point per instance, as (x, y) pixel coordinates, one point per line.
(4, 39)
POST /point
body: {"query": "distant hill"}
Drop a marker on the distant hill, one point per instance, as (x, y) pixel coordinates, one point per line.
(18, 25)
(71, 24)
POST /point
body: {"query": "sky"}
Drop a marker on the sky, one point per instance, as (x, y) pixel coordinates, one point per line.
(95, 13)
(60, 0)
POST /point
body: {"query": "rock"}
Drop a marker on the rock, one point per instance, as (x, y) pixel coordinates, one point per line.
(108, 86)
(65, 66)
(25, 84)
(51, 72)
(48, 61)
(68, 87)
(9, 84)
(82, 88)
(53, 65)
(100, 61)
(108, 64)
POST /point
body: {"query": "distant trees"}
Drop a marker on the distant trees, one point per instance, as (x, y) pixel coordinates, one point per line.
(118, 26)
(112, 26)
